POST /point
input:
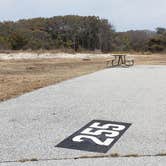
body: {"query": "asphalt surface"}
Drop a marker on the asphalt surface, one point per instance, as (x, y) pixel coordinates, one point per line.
(31, 125)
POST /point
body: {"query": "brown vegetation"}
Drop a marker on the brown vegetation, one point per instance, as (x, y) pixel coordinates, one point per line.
(20, 76)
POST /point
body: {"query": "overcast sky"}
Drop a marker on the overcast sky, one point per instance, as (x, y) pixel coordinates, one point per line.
(123, 14)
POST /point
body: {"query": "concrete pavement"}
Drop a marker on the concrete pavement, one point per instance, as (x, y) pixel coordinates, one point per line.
(31, 125)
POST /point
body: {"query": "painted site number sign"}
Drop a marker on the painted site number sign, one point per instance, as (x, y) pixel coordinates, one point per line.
(96, 136)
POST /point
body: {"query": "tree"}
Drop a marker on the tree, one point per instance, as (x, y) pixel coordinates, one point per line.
(161, 31)
(18, 40)
(158, 42)
(77, 33)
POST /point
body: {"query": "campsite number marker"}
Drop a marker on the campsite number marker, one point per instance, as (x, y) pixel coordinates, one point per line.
(96, 136)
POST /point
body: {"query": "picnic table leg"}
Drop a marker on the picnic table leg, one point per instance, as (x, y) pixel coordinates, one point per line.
(119, 61)
(112, 62)
(107, 63)
(124, 58)
(122, 61)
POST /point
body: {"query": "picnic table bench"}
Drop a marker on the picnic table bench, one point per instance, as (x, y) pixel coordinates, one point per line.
(119, 60)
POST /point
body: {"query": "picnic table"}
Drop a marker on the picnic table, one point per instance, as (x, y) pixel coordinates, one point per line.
(120, 59)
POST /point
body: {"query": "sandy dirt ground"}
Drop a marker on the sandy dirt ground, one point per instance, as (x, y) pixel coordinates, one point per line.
(25, 72)
(49, 55)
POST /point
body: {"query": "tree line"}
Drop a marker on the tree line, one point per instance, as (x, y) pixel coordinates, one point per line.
(77, 33)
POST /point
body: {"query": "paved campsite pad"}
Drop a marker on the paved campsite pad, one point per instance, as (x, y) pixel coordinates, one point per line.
(31, 125)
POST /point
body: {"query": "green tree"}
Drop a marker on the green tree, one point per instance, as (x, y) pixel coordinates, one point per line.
(18, 40)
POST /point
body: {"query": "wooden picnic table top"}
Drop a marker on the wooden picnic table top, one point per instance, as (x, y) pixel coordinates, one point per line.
(119, 55)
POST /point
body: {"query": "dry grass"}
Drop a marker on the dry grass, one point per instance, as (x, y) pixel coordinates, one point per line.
(154, 59)
(20, 76)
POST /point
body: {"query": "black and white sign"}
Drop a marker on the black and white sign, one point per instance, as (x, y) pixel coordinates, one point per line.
(96, 136)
